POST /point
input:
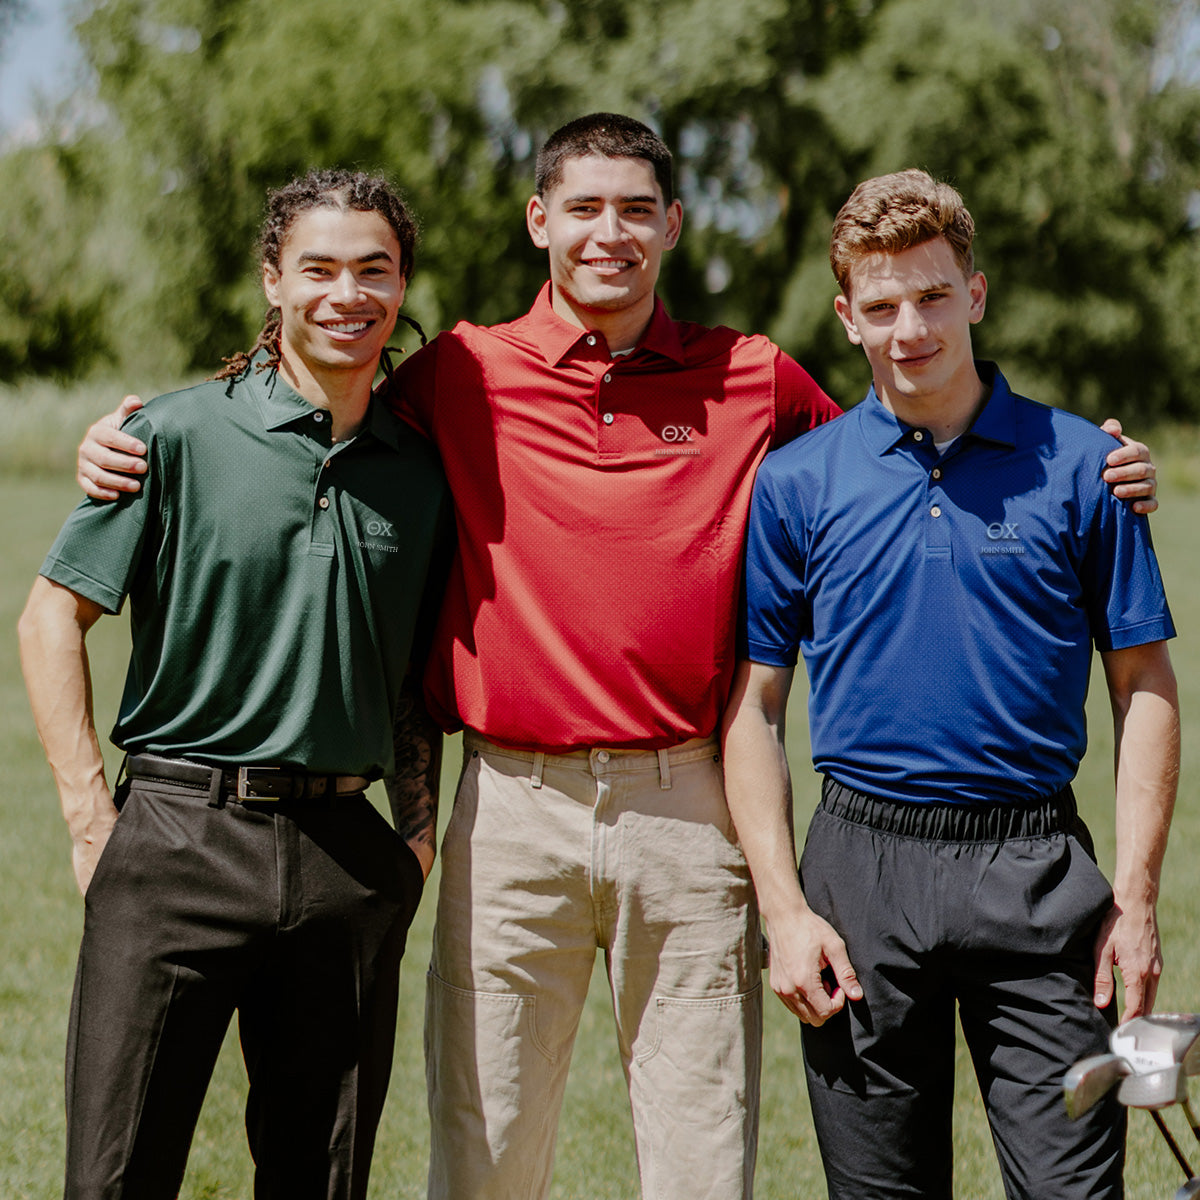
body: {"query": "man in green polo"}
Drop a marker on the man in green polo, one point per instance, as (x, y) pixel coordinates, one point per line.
(281, 567)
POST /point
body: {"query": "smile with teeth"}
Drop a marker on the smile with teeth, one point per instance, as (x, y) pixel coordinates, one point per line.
(608, 264)
(345, 326)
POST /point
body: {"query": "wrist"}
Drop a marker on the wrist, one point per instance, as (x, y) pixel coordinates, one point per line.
(88, 815)
(1138, 894)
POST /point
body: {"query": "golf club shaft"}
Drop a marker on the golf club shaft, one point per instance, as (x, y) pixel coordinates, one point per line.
(1190, 1113)
(1175, 1150)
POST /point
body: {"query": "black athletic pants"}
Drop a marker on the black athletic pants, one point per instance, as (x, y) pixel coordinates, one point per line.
(995, 908)
(293, 913)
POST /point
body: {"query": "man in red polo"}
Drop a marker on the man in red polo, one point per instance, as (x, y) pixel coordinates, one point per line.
(601, 456)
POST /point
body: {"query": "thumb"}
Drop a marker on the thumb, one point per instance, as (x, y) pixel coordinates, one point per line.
(844, 972)
(1104, 985)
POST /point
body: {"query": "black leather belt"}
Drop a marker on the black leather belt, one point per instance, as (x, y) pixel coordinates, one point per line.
(245, 783)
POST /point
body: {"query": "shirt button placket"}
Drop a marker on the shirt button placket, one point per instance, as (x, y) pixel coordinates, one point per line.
(607, 416)
(937, 527)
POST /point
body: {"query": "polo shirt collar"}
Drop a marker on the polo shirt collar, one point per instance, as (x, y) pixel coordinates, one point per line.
(279, 406)
(556, 337)
(997, 422)
(382, 423)
(277, 403)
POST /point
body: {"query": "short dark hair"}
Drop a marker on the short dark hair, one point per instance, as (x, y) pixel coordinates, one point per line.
(893, 213)
(346, 191)
(609, 135)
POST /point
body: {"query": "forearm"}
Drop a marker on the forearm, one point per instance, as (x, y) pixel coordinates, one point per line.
(54, 660)
(1146, 720)
(1147, 776)
(413, 787)
(759, 793)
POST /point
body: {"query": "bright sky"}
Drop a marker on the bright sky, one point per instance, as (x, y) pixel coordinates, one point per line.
(38, 58)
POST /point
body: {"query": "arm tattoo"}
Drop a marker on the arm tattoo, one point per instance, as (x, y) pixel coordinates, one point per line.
(413, 789)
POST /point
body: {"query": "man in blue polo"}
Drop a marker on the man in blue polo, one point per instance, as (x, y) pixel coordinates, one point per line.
(944, 556)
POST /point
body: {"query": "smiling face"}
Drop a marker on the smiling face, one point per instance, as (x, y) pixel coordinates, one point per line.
(912, 314)
(606, 226)
(338, 288)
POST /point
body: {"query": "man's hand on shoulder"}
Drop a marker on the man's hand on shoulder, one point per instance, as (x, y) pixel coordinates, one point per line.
(109, 459)
(1130, 471)
(810, 969)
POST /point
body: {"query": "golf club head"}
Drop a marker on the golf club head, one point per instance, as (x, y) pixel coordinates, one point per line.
(1159, 1040)
(1189, 1191)
(1154, 1089)
(1090, 1079)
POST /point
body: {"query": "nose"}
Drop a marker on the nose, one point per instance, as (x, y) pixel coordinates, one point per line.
(345, 288)
(910, 325)
(608, 224)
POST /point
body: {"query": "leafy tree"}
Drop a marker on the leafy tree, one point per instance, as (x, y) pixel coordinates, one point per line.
(1071, 127)
(53, 303)
(1077, 162)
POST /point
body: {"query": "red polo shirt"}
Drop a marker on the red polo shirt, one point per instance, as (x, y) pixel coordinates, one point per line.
(601, 506)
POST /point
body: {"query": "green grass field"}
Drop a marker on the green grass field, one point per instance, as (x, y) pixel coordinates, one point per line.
(40, 917)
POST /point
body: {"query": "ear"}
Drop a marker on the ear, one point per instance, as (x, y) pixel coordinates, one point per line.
(977, 286)
(845, 311)
(535, 222)
(674, 224)
(270, 278)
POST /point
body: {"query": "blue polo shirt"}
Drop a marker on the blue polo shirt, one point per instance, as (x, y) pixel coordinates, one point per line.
(946, 604)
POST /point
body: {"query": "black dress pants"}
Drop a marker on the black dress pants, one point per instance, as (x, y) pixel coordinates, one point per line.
(292, 913)
(993, 909)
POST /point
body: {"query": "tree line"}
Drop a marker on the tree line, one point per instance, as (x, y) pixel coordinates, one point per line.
(1071, 126)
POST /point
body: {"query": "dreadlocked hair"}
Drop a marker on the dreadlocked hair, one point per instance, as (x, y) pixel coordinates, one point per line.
(334, 188)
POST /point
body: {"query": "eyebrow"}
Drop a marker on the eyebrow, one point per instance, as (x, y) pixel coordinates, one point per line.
(945, 285)
(315, 256)
(583, 199)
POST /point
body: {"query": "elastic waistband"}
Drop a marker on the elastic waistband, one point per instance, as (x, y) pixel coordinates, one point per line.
(600, 760)
(939, 821)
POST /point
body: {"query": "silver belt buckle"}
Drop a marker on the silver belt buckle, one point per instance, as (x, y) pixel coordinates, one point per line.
(247, 789)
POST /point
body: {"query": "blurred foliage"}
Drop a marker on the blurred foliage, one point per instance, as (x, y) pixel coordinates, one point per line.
(1070, 125)
(10, 10)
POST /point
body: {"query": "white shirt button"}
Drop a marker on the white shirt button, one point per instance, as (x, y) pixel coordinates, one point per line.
(608, 418)
(937, 472)
(935, 511)
(591, 341)
(919, 436)
(318, 417)
(323, 502)
(608, 379)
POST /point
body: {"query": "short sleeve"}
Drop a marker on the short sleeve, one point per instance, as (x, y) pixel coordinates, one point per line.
(100, 547)
(800, 405)
(1123, 588)
(775, 614)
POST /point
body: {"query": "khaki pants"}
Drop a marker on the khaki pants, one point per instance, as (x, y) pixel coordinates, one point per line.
(547, 858)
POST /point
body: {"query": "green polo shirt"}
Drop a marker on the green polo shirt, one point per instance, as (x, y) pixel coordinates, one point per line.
(276, 581)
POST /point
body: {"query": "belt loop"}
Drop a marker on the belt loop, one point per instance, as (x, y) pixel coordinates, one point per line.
(216, 794)
(664, 771)
(535, 776)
